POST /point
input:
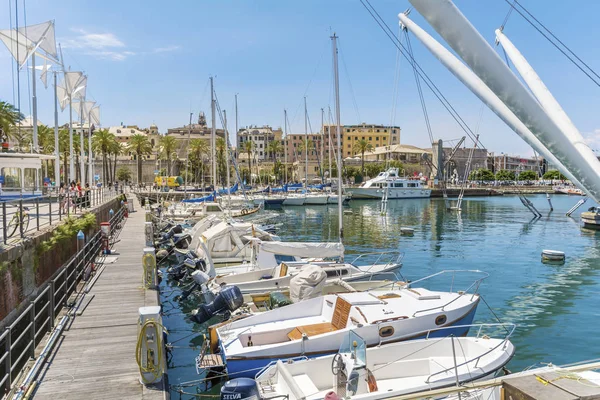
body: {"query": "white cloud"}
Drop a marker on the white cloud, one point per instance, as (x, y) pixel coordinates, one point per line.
(110, 55)
(166, 49)
(593, 139)
(87, 40)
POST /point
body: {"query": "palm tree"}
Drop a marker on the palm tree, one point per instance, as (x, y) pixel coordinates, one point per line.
(102, 142)
(274, 148)
(9, 117)
(168, 145)
(198, 148)
(141, 146)
(46, 144)
(116, 149)
(248, 148)
(362, 146)
(220, 147)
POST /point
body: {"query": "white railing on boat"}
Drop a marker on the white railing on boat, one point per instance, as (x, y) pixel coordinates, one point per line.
(390, 258)
(508, 327)
(467, 291)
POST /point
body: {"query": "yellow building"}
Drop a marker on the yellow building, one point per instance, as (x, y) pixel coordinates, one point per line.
(377, 135)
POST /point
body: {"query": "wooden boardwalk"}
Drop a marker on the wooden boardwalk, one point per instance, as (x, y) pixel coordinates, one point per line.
(95, 358)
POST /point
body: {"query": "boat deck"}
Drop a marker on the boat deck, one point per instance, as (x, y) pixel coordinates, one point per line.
(95, 357)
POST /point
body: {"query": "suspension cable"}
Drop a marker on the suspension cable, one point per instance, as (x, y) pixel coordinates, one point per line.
(419, 89)
(588, 74)
(349, 81)
(436, 91)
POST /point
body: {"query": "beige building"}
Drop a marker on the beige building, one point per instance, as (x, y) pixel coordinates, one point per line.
(400, 152)
(260, 136)
(199, 130)
(515, 163)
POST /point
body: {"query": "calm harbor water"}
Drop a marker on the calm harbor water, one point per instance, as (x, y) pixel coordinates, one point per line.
(554, 306)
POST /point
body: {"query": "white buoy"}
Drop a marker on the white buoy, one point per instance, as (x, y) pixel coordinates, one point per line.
(347, 212)
(407, 231)
(553, 255)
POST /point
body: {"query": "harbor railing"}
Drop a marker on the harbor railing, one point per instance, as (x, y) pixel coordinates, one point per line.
(19, 340)
(21, 217)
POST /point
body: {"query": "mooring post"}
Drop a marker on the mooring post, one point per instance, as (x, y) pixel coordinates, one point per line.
(80, 251)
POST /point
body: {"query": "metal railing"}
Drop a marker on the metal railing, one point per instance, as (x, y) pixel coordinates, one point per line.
(21, 217)
(19, 340)
(474, 286)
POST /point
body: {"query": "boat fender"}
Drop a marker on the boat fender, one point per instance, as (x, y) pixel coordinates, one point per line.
(266, 277)
(371, 382)
(240, 389)
(229, 299)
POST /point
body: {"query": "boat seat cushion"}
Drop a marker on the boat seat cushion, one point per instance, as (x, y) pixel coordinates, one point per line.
(306, 384)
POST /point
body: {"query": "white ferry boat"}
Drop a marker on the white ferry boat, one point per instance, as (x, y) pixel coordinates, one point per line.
(396, 187)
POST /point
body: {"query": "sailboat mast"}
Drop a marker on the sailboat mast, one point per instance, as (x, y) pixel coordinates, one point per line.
(285, 145)
(213, 134)
(71, 166)
(322, 140)
(305, 146)
(81, 162)
(330, 143)
(226, 150)
(90, 173)
(338, 132)
(187, 157)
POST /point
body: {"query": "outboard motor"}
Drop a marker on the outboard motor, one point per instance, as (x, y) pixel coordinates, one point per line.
(196, 264)
(199, 278)
(182, 240)
(229, 299)
(171, 232)
(240, 389)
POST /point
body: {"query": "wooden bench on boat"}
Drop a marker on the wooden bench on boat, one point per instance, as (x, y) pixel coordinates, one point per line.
(339, 320)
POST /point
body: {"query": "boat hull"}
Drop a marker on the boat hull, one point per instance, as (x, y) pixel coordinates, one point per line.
(316, 200)
(238, 367)
(294, 201)
(393, 193)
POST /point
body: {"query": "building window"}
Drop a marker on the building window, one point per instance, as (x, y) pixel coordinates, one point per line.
(118, 131)
(347, 130)
(377, 130)
(370, 137)
(363, 138)
(349, 146)
(377, 138)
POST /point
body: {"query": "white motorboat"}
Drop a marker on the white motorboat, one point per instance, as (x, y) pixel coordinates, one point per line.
(277, 276)
(358, 372)
(390, 182)
(315, 327)
(316, 198)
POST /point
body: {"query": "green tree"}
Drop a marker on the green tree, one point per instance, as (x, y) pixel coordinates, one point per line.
(274, 148)
(103, 142)
(362, 146)
(198, 149)
(124, 174)
(504, 175)
(481, 174)
(528, 176)
(168, 145)
(374, 169)
(249, 148)
(141, 146)
(63, 146)
(221, 162)
(554, 175)
(9, 118)
(46, 145)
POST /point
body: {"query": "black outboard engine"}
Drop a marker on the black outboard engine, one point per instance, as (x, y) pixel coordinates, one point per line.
(195, 264)
(229, 299)
(171, 232)
(240, 389)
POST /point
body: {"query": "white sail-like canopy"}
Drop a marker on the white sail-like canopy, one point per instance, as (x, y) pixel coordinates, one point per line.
(72, 81)
(44, 75)
(63, 97)
(95, 115)
(80, 89)
(86, 107)
(304, 249)
(25, 41)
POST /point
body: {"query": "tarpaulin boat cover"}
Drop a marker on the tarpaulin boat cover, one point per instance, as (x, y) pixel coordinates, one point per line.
(308, 283)
(304, 249)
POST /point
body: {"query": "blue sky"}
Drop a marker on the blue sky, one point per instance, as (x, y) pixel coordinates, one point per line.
(149, 61)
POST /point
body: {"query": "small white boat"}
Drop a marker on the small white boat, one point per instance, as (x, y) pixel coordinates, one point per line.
(315, 327)
(390, 182)
(358, 372)
(277, 276)
(553, 255)
(316, 199)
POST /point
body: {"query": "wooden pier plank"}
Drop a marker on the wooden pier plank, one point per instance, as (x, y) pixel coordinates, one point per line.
(95, 358)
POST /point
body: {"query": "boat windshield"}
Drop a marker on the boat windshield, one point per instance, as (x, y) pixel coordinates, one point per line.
(356, 346)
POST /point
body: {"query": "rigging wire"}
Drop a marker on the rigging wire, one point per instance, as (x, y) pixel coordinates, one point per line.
(587, 73)
(510, 10)
(436, 91)
(419, 89)
(396, 82)
(349, 81)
